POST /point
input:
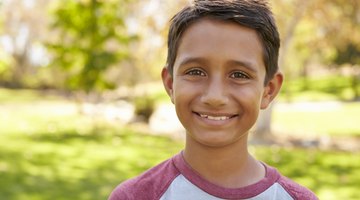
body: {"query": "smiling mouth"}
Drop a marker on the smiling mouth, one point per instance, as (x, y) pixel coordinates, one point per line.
(215, 118)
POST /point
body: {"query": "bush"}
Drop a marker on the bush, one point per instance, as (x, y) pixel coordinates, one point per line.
(144, 107)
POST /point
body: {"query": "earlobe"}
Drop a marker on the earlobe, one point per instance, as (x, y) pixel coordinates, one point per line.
(271, 90)
(168, 82)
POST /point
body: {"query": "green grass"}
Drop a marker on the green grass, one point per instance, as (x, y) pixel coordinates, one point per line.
(322, 88)
(331, 175)
(69, 165)
(48, 151)
(21, 96)
(336, 119)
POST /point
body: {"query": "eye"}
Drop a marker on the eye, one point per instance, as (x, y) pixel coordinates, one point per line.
(241, 75)
(195, 72)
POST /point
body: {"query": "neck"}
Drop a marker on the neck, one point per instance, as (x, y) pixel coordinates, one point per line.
(228, 166)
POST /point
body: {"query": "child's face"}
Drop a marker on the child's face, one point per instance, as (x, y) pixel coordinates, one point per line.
(218, 82)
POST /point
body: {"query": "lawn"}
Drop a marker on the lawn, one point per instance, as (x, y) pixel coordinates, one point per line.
(69, 165)
(320, 88)
(48, 151)
(318, 118)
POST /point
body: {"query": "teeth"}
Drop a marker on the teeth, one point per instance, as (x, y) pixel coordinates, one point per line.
(214, 118)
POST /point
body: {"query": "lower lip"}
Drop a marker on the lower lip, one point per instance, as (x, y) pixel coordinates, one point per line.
(214, 123)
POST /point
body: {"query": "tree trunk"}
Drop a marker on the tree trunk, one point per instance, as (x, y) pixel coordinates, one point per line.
(262, 130)
(263, 126)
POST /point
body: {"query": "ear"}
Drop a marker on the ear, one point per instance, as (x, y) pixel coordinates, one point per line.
(271, 90)
(168, 82)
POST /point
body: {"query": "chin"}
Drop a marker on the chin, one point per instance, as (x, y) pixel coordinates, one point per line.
(217, 141)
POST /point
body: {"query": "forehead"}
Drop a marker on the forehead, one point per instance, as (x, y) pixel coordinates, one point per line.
(213, 38)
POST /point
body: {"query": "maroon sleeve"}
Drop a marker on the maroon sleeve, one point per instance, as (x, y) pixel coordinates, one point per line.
(119, 194)
(297, 191)
(149, 185)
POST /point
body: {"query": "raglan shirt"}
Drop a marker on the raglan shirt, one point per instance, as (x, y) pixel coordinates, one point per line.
(174, 179)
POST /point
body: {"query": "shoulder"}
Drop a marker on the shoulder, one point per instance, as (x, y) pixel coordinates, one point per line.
(298, 192)
(149, 185)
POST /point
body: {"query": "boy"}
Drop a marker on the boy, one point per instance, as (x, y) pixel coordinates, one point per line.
(221, 70)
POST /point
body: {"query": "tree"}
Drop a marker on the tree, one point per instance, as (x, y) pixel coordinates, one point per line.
(150, 23)
(91, 38)
(341, 35)
(325, 29)
(23, 27)
(287, 23)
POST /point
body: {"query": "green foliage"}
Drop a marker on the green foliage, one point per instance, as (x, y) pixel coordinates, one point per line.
(5, 65)
(337, 32)
(92, 37)
(350, 54)
(144, 106)
(324, 32)
(4, 69)
(347, 44)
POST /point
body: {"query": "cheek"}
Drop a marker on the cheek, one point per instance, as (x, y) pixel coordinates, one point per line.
(250, 96)
(185, 91)
(184, 96)
(250, 101)
(180, 95)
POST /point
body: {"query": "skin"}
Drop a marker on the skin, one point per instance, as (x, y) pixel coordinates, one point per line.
(218, 90)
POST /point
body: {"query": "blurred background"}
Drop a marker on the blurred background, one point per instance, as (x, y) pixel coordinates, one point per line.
(82, 106)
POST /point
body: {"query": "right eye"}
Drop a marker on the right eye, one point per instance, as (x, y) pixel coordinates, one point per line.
(195, 72)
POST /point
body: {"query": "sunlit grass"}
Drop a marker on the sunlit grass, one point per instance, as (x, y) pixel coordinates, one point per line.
(23, 95)
(48, 150)
(67, 165)
(322, 88)
(331, 175)
(318, 119)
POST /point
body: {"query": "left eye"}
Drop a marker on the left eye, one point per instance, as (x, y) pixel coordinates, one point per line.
(239, 75)
(195, 72)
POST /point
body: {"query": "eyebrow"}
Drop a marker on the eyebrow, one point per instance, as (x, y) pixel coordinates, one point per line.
(248, 65)
(243, 63)
(189, 60)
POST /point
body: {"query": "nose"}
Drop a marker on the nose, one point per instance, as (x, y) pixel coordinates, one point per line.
(214, 94)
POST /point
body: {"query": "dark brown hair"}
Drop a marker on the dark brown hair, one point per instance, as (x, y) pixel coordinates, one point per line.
(254, 14)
